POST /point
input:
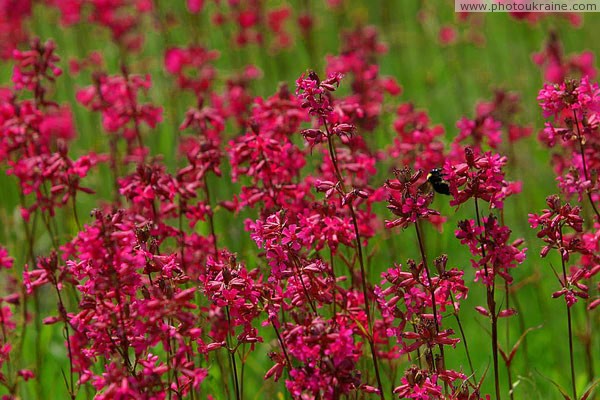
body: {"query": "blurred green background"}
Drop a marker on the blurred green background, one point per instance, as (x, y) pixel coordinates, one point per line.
(447, 81)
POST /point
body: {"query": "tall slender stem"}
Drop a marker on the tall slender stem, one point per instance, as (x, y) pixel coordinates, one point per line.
(418, 349)
(182, 206)
(495, 342)
(63, 312)
(367, 302)
(232, 361)
(571, 352)
(510, 383)
(430, 283)
(361, 262)
(211, 221)
(464, 338)
(296, 264)
(133, 109)
(584, 164)
(569, 322)
(282, 344)
(491, 303)
(331, 261)
(30, 237)
(508, 371)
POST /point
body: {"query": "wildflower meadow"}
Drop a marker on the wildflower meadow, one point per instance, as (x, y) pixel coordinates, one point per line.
(298, 199)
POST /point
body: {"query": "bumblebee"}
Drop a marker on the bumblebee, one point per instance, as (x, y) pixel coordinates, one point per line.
(436, 180)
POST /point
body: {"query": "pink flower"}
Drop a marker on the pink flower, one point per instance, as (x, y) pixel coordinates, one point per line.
(116, 97)
(315, 94)
(36, 65)
(479, 177)
(58, 124)
(195, 6)
(447, 35)
(5, 260)
(406, 200)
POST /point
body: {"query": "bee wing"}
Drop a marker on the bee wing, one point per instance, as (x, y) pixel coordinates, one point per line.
(425, 188)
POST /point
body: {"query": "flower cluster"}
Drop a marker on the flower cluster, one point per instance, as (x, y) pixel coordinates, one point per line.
(35, 135)
(574, 105)
(552, 224)
(116, 98)
(489, 244)
(11, 303)
(479, 177)
(495, 123)
(13, 20)
(417, 144)
(358, 57)
(425, 296)
(123, 18)
(267, 155)
(193, 67)
(326, 355)
(557, 67)
(407, 200)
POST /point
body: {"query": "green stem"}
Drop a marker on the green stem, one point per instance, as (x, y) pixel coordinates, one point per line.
(584, 165)
(569, 322)
(363, 273)
(464, 338)
(430, 284)
(491, 303)
(232, 361)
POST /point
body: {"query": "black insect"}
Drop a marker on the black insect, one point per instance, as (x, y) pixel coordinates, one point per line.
(437, 181)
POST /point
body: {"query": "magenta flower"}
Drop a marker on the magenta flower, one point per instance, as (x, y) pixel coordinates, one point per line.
(326, 354)
(490, 245)
(406, 200)
(418, 144)
(116, 97)
(5, 260)
(575, 106)
(479, 177)
(35, 66)
(552, 223)
(556, 66)
(315, 94)
(420, 384)
(571, 95)
(193, 68)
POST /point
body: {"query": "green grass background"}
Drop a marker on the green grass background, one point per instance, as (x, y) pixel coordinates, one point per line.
(446, 81)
